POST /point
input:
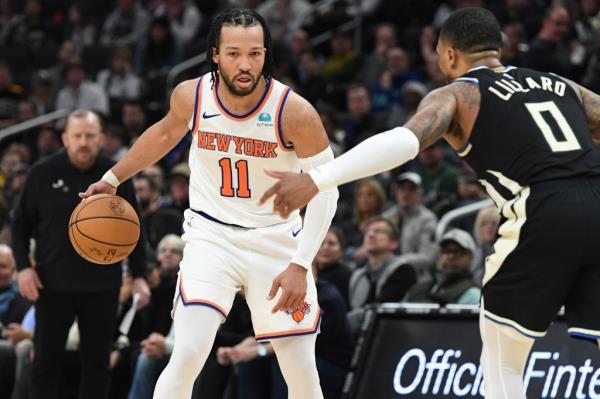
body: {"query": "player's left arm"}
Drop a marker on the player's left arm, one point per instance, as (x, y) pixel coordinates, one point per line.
(301, 126)
(591, 106)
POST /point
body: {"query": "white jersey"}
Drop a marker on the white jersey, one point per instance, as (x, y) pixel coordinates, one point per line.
(229, 154)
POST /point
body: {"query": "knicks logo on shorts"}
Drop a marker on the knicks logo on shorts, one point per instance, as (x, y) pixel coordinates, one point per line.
(298, 313)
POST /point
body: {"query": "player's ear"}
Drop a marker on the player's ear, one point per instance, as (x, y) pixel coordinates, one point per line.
(451, 57)
(214, 55)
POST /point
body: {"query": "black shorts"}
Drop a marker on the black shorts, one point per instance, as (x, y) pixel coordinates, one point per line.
(547, 255)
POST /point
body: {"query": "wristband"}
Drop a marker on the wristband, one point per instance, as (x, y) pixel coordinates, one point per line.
(111, 179)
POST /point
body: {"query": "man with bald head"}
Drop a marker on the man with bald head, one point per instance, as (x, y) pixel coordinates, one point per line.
(63, 285)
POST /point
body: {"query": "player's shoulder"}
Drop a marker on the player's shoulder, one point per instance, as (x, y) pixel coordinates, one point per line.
(186, 89)
(463, 91)
(183, 97)
(297, 110)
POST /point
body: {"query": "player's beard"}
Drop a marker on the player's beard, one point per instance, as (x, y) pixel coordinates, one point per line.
(231, 85)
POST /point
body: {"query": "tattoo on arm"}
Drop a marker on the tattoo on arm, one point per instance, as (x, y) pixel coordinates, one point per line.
(591, 105)
(434, 115)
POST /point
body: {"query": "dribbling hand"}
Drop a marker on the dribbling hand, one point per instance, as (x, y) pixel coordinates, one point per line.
(100, 187)
(292, 282)
(29, 284)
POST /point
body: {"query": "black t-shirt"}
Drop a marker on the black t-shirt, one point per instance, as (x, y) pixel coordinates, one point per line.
(42, 212)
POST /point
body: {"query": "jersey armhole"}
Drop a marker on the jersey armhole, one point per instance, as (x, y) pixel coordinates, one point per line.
(197, 105)
(279, 113)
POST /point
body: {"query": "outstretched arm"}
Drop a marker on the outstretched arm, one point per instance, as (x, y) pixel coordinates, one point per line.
(377, 154)
(155, 142)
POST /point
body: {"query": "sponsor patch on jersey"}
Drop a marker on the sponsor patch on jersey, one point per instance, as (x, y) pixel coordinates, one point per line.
(264, 120)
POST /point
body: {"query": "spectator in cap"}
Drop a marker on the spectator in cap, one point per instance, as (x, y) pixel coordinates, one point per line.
(179, 187)
(416, 224)
(80, 93)
(412, 94)
(453, 282)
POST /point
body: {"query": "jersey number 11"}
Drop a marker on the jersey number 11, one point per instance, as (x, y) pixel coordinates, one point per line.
(241, 167)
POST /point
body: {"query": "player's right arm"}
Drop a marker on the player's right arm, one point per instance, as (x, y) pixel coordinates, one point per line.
(156, 141)
(381, 152)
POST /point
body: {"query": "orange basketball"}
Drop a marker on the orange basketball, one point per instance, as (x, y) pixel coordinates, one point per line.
(104, 229)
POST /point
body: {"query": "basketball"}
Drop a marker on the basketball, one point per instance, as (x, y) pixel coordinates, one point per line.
(104, 229)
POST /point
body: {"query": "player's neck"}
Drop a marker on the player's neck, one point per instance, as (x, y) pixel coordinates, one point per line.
(489, 59)
(241, 104)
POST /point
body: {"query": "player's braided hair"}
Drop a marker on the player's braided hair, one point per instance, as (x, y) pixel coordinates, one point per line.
(472, 30)
(238, 17)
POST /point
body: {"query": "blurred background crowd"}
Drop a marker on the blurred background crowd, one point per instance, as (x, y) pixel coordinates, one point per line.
(364, 64)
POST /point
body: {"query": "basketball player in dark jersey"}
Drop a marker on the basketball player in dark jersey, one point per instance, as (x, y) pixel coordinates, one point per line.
(529, 136)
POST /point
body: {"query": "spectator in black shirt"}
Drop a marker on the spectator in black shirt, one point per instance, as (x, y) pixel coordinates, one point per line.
(330, 261)
(157, 217)
(63, 284)
(548, 52)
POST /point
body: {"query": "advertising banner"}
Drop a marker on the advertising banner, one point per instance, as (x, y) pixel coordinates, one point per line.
(436, 355)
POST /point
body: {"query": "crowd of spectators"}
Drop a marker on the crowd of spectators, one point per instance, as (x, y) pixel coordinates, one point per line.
(113, 57)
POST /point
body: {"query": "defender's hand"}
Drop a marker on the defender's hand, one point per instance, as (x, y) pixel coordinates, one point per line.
(292, 282)
(29, 284)
(292, 191)
(100, 187)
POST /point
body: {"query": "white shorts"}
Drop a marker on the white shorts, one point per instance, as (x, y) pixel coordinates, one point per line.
(219, 260)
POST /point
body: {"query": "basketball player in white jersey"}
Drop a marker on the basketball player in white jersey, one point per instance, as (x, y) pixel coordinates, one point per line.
(243, 121)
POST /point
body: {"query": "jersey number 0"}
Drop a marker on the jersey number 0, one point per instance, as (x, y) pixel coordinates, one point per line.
(241, 168)
(570, 142)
